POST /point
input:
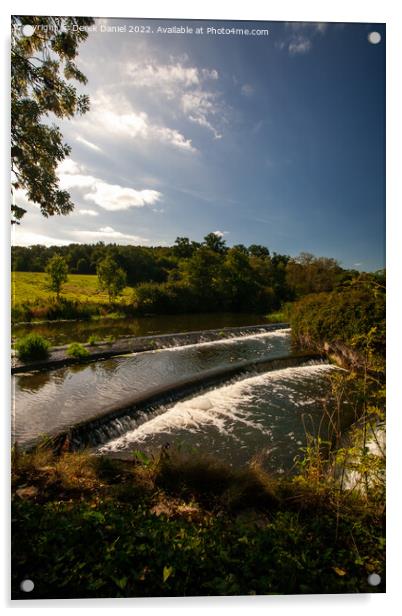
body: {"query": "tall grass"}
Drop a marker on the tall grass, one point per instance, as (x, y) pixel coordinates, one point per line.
(182, 523)
(33, 346)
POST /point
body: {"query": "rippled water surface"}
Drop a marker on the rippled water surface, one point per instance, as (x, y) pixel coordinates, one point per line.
(46, 402)
(63, 332)
(268, 413)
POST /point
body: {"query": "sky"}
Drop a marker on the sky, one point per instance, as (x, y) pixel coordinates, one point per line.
(277, 139)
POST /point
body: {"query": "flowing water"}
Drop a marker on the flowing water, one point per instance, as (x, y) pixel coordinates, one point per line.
(269, 412)
(45, 402)
(266, 414)
(63, 332)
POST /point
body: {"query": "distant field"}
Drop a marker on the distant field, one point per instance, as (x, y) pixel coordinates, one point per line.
(31, 286)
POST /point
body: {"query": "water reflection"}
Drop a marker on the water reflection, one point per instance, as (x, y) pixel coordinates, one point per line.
(59, 332)
(54, 400)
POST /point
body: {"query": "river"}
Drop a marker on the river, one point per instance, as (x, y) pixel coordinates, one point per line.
(265, 413)
(64, 332)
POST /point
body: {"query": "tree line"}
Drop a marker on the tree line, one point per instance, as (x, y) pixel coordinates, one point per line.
(191, 276)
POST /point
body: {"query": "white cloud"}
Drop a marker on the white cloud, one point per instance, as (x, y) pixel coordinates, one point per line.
(299, 45)
(110, 197)
(109, 233)
(173, 137)
(185, 84)
(89, 144)
(220, 233)
(21, 237)
(199, 106)
(87, 213)
(318, 27)
(68, 165)
(129, 123)
(113, 197)
(300, 35)
(168, 77)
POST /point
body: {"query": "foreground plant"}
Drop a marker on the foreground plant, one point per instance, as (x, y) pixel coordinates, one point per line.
(33, 346)
(89, 526)
(75, 349)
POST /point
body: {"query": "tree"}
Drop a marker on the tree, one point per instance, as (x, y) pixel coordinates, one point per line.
(82, 266)
(111, 277)
(238, 285)
(256, 250)
(183, 248)
(42, 64)
(214, 241)
(57, 271)
(202, 272)
(309, 274)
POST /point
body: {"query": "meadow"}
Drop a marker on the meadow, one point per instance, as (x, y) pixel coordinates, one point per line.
(33, 286)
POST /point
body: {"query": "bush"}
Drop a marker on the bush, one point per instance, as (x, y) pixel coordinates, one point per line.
(32, 346)
(77, 350)
(351, 317)
(124, 536)
(165, 298)
(93, 340)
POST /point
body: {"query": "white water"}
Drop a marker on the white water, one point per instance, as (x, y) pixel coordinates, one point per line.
(51, 401)
(246, 407)
(278, 334)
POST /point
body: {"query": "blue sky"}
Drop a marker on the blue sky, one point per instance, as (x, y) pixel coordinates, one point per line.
(276, 140)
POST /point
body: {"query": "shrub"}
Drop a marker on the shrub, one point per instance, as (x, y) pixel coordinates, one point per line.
(77, 350)
(352, 317)
(32, 346)
(93, 340)
(123, 536)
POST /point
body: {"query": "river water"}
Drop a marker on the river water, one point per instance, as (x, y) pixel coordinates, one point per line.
(268, 412)
(64, 332)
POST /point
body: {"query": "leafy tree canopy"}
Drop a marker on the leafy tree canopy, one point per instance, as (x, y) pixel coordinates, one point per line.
(215, 242)
(112, 278)
(42, 66)
(57, 271)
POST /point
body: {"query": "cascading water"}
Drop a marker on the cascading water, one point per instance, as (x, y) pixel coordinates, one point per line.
(267, 413)
(49, 402)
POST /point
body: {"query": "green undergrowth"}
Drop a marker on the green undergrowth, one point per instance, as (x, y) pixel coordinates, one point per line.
(31, 347)
(75, 349)
(180, 523)
(349, 321)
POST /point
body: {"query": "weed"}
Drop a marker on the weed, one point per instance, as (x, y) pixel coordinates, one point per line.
(77, 350)
(33, 346)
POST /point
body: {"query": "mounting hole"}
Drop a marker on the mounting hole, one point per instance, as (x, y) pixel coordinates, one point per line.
(374, 579)
(374, 38)
(28, 30)
(27, 585)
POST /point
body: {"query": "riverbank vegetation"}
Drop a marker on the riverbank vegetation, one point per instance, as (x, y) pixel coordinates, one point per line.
(187, 277)
(184, 524)
(348, 322)
(33, 346)
(181, 523)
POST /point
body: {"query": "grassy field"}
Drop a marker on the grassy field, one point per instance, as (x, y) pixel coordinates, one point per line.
(32, 286)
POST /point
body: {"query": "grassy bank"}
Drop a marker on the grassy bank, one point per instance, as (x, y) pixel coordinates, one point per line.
(32, 286)
(81, 298)
(184, 524)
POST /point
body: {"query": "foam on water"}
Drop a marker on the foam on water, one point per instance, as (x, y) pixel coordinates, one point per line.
(224, 407)
(279, 333)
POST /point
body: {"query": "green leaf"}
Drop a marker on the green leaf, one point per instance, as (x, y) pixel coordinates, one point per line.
(167, 572)
(121, 582)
